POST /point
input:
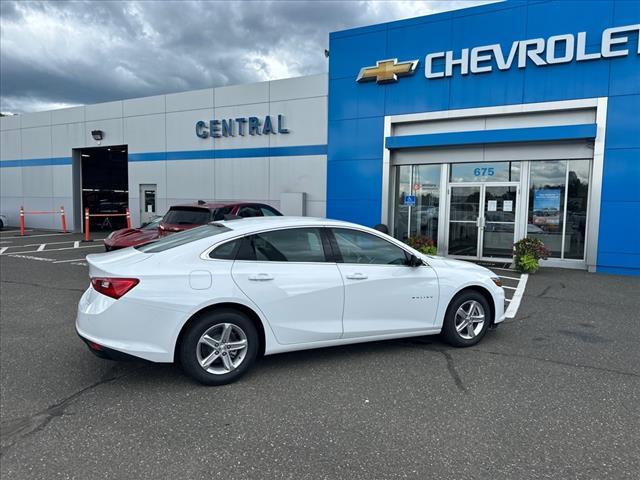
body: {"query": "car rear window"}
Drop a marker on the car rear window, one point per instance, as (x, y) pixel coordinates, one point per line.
(187, 216)
(182, 238)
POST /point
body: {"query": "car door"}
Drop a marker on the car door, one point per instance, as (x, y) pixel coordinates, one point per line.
(383, 294)
(286, 274)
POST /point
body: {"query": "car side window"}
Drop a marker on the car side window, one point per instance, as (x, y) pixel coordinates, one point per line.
(226, 251)
(291, 245)
(246, 212)
(267, 212)
(364, 248)
(219, 213)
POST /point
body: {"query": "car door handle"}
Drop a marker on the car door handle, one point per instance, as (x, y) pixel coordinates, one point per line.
(357, 276)
(260, 277)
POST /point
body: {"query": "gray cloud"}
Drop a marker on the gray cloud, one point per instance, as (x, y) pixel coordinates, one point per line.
(54, 54)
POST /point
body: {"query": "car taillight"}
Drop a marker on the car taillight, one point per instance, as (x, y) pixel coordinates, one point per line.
(113, 287)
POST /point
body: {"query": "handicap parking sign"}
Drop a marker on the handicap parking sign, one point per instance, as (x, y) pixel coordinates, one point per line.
(410, 200)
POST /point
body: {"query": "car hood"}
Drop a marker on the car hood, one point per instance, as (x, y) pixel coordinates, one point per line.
(458, 265)
(167, 228)
(134, 236)
(124, 232)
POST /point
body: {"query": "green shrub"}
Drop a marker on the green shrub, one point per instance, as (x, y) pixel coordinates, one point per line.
(422, 244)
(527, 263)
(528, 253)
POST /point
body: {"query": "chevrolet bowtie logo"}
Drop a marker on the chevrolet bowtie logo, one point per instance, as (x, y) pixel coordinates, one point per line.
(387, 71)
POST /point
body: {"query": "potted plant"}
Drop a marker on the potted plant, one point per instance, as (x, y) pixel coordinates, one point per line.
(528, 253)
(422, 244)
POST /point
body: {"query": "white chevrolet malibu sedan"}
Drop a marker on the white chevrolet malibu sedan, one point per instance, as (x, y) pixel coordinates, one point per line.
(218, 296)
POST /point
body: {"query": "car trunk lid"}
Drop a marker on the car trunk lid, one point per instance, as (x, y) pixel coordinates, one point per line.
(117, 263)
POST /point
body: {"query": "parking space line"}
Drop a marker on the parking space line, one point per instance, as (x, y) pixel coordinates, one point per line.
(14, 236)
(41, 247)
(56, 249)
(37, 244)
(39, 235)
(72, 260)
(31, 257)
(517, 297)
(2, 250)
(509, 288)
(509, 278)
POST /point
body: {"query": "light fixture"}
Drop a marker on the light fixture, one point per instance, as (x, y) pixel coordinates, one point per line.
(85, 155)
(97, 135)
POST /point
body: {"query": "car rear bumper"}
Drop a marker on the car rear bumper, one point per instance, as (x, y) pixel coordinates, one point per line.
(108, 353)
(127, 327)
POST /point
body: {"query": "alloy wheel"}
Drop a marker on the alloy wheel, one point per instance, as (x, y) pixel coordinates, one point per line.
(222, 348)
(469, 319)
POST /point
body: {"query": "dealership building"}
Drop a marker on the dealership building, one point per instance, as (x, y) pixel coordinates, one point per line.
(475, 128)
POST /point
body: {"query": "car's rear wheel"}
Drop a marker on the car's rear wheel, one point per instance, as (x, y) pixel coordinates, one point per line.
(467, 319)
(219, 347)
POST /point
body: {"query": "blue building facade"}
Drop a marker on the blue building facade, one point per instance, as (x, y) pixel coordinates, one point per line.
(481, 126)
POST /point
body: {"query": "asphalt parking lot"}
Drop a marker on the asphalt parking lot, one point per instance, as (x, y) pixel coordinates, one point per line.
(553, 393)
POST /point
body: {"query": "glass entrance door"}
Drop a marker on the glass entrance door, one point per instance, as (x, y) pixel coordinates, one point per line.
(482, 220)
(499, 221)
(464, 220)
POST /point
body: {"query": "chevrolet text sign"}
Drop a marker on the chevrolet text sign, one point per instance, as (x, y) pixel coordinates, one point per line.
(614, 42)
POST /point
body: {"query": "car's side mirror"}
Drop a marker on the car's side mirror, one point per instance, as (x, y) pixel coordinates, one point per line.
(414, 261)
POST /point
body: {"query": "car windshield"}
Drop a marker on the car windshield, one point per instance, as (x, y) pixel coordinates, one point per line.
(187, 216)
(152, 225)
(183, 238)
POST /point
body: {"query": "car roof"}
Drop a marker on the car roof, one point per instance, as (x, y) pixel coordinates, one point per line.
(245, 225)
(214, 205)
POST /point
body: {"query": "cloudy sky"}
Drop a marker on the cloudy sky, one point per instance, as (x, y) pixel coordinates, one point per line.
(63, 53)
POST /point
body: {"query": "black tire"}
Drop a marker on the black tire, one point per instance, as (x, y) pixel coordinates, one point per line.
(190, 348)
(1, 224)
(460, 339)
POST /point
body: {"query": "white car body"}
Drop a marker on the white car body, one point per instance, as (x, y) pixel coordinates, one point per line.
(300, 305)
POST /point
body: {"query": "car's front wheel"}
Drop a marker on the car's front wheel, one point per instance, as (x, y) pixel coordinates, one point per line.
(467, 319)
(219, 347)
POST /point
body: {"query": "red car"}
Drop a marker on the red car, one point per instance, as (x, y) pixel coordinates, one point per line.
(184, 217)
(129, 237)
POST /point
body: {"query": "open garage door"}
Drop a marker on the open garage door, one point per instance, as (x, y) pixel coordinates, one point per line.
(104, 185)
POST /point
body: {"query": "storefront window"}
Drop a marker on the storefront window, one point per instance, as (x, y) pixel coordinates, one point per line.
(550, 219)
(417, 201)
(485, 172)
(577, 196)
(546, 203)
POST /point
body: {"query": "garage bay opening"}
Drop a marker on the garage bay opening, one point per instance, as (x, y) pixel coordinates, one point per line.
(102, 177)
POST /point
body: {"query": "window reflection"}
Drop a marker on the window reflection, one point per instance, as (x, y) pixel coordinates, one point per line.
(548, 214)
(577, 197)
(423, 183)
(546, 203)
